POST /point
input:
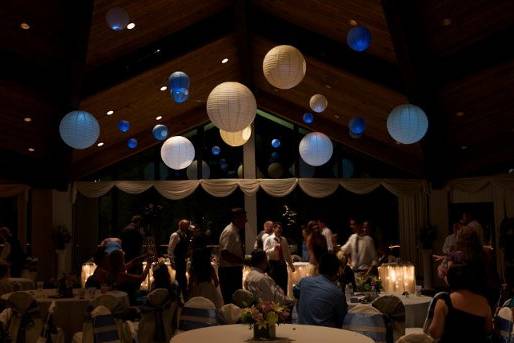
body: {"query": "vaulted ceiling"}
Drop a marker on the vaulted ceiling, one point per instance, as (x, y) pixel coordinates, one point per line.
(451, 57)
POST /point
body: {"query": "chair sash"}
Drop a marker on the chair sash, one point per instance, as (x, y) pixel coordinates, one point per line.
(25, 311)
(394, 310)
(104, 326)
(196, 318)
(368, 321)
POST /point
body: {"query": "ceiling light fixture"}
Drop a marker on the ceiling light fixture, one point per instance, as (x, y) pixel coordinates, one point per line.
(225, 60)
(353, 22)
(446, 22)
(27, 119)
(24, 26)
(100, 144)
(158, 118)
(337, 116)
(459, 114)
(130, 26)
(110, 112)
(464, 147)
(163, 88)
(31, 149)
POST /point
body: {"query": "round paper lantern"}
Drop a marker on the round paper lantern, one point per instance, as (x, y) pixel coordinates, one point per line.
(357, 125)
(177, 152)
(305, 170)
(192, 170)
(237, 138)
(284, 66)
(223, 164)
(160, 132)
(308, 118)
(407, 124)
(79, 129)
(318, 103)
(117, 18)
(275, 170)
(215, 150)
(132, 143)
(275, 155)
(231, 106)
(275, 142)
(178, 86)
(347, 167)
(240, 173)
(316, 148)
(358, 38)
(123, 125)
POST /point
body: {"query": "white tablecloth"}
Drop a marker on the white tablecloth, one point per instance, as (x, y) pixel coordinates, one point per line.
(240, 333)
(416, 308)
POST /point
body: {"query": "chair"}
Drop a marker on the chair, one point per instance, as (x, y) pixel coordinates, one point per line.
(157, 317)
(367, 321)
(243, 298)
(230, 313)
(21, 320)
(198, 312)
(50, 332)
(431, 308)
(503, 324)
(394, 311)
(415, 338)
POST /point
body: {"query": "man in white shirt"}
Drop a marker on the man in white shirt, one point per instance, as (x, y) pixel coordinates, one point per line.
(327, 233)
(232, 255)
(361, 248)
(469, 220)
(260, 284)
(261, 237)
(277, 250)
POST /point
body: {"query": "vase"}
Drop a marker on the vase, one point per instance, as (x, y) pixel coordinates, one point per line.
(265, 333)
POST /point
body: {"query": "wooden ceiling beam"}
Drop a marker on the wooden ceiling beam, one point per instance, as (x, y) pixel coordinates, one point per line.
(367, 146)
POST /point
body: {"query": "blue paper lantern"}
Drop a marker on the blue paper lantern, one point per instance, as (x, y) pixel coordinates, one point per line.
(223, 164)
(123, 125)
(160, 132)
(117, 18)
(132, 143)
(308, 118)
(79, 129)
(357, 126)
(359, 38)
(275, 155)
(347, 168)
(275, 142)
(178, 85)
(215, 150)
(407, 124)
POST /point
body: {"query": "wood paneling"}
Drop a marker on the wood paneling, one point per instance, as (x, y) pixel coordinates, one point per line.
(154, 19)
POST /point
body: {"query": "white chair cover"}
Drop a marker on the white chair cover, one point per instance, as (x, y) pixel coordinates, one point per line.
(230, 313)
(198, 312)
(23, 310)
(394, 310)
(415, 338)
(50, 333)
(503, 324)
(157, 318)
(87, 333)
(367, 321)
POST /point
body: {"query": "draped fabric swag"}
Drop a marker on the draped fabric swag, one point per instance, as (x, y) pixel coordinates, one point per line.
(412, 195)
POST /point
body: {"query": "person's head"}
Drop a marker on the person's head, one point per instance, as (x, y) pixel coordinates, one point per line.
(277, 229)
(4, 270)
(238, 218)
(137, 220)
(184, 225)
(468, 242)
(460, 277)
(353, 225)
(117, 261)
(321, 224)
(312, 226)
(329, 266)
(259, 259)
(161, 276)
(100, 256)
(317, 246)
(268, 227)
(365, 228)
(466, 217)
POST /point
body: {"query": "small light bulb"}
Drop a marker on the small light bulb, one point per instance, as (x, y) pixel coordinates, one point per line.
(130, 26)
(110, 112)
(100, 144)
(163, 88)
(158, 118)
(27, 119)
(225, 60)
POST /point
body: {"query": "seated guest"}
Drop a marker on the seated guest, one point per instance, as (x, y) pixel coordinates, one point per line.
(277, 249)
(260, 284)
(99, 277)
(203, 281)
(162, 279)
(463, 316)
(321, 301)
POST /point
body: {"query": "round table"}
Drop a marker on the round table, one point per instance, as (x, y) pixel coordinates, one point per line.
(416, 307)
(69, 313)
(239, 333)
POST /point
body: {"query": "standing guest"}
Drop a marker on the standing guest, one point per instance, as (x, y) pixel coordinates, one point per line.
(203, 281)
(321, 301)
(261, 237)
(262, 286)
(178, 250)
(469, 220)
(315, 242)
(120, 279)
(232, 255)
(463, 316)
(327, 233)
(14, 256)
(277, 249)
(132, 240)
(361, 248)
(451, 239)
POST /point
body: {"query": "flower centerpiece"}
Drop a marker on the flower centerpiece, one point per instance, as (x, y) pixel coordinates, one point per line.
(264, 317)
(368, 284)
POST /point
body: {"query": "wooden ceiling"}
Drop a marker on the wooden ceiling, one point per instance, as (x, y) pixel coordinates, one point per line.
(450, 57)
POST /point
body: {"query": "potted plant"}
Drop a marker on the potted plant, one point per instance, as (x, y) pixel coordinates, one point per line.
(263, 318)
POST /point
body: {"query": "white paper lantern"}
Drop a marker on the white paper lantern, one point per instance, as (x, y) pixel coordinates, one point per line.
(240, 173)
(192, 170)
(318, 103)
(231, 106)
(316, 149)
(79, 129)
(284, 66)
(237, 138)
(275, 170)
(177, 152)
(407, 124)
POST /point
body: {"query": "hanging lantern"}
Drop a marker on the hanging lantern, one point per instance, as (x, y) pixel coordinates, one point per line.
(132, 143)
(275, 155)
(231, 106)
(117, 18)
(357, 125)
(284, 66)
(240, 173)
(397, 278)
(308, 118)
(123, 125)
(237, 138)
(275, 170)
(177, 152)
(275, 142)
(358, 38)
(79, 129)
(178, 85)
(215, 150)
(160, 132)
(407, 124)
(316, 149)
(318, 103)
(192, 170)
